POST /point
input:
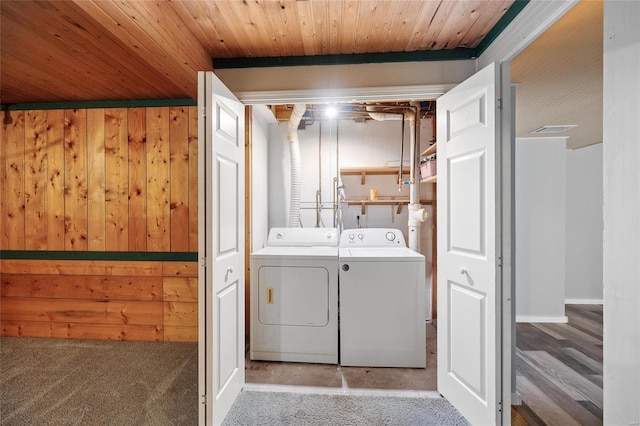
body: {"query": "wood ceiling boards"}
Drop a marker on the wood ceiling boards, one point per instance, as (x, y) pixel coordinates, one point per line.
(80, 50)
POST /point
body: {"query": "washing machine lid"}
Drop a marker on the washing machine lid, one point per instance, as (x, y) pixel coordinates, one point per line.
(297, 253)
(379, 254)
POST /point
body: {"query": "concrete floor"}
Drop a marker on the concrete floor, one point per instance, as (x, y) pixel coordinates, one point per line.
(328, 375)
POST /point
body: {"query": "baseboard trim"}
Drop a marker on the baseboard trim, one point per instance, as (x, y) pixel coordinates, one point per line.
(516, 399)
(584, 301)
(524, 318)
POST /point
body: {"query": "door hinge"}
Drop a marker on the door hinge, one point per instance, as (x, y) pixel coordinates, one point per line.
(499, 261)
(204, 399)
(500, 407)
(499, 103)
(204, 112)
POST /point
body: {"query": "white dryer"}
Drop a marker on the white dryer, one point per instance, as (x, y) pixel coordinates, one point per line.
(382, 300)
(294, 296)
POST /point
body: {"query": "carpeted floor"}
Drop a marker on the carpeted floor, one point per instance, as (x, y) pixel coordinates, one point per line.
(268, 408)
(86, 382)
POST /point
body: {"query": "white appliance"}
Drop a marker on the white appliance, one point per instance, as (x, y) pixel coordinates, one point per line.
(294, 296)
(382, 300)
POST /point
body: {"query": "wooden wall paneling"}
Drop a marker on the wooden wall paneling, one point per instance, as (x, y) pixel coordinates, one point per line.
(179, 178)
(13, 237)
(55, 180)
(81, 311)
(180, 289)
(130, 332)
(96, 172)
(180, 269)
(158, 209)
(180, 334)
(3, 182)
(193, 179)
(88, 287)
(35, 178)
(75, 200)
(137, 139)
(116, 180)
(184, 314)
(81, 267)
(123, 300)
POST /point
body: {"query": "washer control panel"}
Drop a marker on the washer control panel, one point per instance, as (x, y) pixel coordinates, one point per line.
(372, 237)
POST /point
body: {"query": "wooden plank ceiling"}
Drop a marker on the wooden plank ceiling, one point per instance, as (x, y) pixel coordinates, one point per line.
(81, 50)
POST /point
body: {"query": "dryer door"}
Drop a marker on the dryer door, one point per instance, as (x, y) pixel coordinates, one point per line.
(290, 295)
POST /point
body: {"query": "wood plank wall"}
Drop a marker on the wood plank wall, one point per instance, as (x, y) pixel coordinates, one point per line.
(114, 300)
(112, 179)
(99, 180)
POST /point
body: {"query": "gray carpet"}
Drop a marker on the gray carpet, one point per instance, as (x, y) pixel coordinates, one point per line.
(285, 408)
(86, 382)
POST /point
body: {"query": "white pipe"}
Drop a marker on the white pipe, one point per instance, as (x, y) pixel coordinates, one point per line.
(294, 155)
(417, 214)
(382, 116)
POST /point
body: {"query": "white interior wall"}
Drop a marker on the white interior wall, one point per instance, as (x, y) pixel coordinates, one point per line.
(621, 153)
(261, 119)
(540, 229)
(369, 144)
(583, 271)
(324, 78)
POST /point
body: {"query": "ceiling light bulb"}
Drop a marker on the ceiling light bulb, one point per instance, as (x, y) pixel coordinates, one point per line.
(331, 111)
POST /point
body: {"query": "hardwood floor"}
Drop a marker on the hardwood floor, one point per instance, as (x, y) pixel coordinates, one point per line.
(559, 370)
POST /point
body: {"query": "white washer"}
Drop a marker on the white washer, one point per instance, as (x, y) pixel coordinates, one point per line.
(382, 300)
(294, 296)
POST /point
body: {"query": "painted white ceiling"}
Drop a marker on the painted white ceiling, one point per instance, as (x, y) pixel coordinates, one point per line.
(559, 77)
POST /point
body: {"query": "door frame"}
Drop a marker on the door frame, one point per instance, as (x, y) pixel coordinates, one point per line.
(532, 21)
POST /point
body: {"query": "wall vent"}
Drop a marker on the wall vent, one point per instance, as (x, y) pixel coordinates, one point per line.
(554, 129)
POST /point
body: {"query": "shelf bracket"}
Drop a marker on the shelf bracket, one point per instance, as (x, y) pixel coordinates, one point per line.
(399, 208)
(363, 178)
(363, 208)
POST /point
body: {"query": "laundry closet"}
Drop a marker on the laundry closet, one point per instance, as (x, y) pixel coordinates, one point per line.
(355, 175)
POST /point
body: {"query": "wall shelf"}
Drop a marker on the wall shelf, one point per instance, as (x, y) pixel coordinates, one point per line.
(399, 202)
(429, 151)
(364, 171)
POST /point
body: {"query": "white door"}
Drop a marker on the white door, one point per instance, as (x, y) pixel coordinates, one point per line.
(469, 275)
(221, 248)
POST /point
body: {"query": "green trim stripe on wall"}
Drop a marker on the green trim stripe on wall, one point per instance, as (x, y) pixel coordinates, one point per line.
(99, 255)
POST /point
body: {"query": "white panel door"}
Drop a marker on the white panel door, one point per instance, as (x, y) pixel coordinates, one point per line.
(469, 328)
(221, 248)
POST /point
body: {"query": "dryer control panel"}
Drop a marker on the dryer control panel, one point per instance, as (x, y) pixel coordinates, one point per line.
(303, 237)
(372, 237)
